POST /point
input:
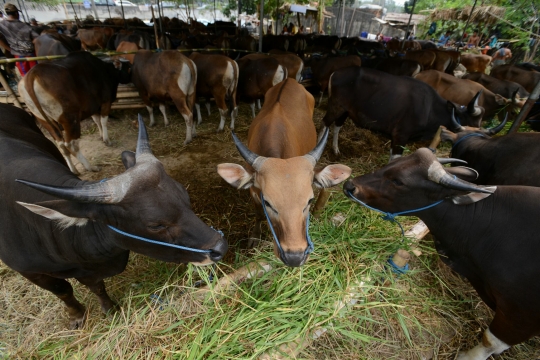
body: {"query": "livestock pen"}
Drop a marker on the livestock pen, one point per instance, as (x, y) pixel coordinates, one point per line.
(343, 304)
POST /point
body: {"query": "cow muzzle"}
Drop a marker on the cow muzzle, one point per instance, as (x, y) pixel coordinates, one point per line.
(294, 258)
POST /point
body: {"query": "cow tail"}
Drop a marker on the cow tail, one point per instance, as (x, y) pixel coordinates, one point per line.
(29, 80)
(230, 95)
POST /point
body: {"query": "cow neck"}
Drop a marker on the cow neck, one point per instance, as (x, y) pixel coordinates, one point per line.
(388, 216)
(466, 137)
(310, 247)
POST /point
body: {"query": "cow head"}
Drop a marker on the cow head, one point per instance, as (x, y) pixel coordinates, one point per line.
(143, 201)
(416, 181)
(286, 188)
(470, 115)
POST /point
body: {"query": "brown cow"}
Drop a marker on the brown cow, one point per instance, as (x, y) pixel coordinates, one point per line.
(55, 44)
(323, 67)
(257, 76)
(445, 60)
(289, 60)
(282, 152)
(527, 79)
(165, 76)
(94, 39)
(395, 46)
(88, 88)
(461, 91)
(475, 63)
(425, 58)
(217, 77)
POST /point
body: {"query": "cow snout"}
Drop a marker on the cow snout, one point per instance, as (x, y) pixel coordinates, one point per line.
(349, 187)
(219, 250)
(294, 258)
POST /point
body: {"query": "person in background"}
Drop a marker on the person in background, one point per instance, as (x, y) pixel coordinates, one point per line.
(33, 22)
(443, 40)
(474, 40)
(285, 31)
(501, 55)
(19, 37)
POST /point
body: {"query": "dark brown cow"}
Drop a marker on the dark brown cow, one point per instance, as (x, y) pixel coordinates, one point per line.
(282, 152)
(88, 88)
(445, 60)
(94, 39)
(502, 87)
(323, 67)
(165, 76)
(217, 77)
(527, 79)
(395, 46)
(257, 76)
(290, 61)
(126, 46)
(399, 67)
(475, 63)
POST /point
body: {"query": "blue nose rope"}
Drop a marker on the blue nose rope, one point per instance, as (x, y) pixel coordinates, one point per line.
(310, 247)
(465, 137)
(392, 216)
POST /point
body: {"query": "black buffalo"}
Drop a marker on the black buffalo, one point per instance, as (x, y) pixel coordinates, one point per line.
(56, 226)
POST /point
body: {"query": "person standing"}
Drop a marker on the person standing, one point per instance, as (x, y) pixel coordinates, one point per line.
(501, 55)
(443, 40)
(19, 38)
(474, 40)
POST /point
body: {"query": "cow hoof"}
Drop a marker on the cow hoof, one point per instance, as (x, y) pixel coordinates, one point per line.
(152, 124)
(221, 130)
(253, 242)
(110, 308)
(77, 322)
(75, 172)
(108, 143)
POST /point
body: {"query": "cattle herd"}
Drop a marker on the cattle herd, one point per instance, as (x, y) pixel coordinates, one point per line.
(483, 217)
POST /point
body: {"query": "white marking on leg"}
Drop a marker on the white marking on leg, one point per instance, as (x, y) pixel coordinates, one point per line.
(163, 110)
(299, 72)
(198, 108)
(67, 156)
(105, 135)
(321, 133)
(188, 118)
(151, 114)
(73, 147)
(335, 140)
(223, 115)
(234, 114)
(252, 106)
(320, 99)
(207, 104)
(97, 120)
(392, 156)
(259, 104)
(481, 351)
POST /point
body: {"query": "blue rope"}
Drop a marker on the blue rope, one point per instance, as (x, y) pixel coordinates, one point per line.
(310, 247)
(397, 269)
(158, 242)
(392, 216)
(465, 137)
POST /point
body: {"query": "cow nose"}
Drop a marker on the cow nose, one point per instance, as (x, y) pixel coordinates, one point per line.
(294, 259)
(348, 187)
(218, 251)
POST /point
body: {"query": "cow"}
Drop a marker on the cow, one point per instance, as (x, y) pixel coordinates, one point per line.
(55, 44)
(257, 76)
(88, 88)
(399, 67)
(476, 229)
(527, 79)
(94, 39)
(460, 91)
(164, 76)
(288, 60)
(56, 226)
(494, 158)
(445, 60)
(217, 77)
(529, 66)
(417, 110)
(281, 154)
(475, 63)
(425, 58)
(396, 46)
(504, 88)
(323, 67)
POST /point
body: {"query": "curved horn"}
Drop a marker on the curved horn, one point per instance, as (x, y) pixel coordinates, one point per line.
(450, 161)
(143, 145)
(94, 193)
(437, 174)
(457, 126)
(514, 95)
(247, 154)
(497, 128)
(473, 104)
(319, 148)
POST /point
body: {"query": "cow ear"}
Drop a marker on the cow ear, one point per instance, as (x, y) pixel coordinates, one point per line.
(501, 100)
(128, 159)
(235, 175)
(66, 213)
(463, 172)
(447, 135)
(472, 197)
(331, 175)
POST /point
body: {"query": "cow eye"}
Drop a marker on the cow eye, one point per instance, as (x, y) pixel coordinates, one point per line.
(268, 206)
(397, 182)
(158, 227)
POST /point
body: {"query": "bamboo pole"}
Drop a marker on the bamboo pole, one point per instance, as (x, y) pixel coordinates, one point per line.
(351, 23)
(9, 91)
(155, 28)
(408, 25)
(466, 24)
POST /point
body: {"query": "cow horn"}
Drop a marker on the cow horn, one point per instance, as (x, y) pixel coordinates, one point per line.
(247, 154)
(94, 193)
(143, 144)
(437, 174)
(319, 148)
(457, 126)
(497, 128)
(514, 95)
(473, 107)
(450, 161)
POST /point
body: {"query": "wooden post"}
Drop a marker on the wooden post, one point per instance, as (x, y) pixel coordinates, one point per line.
(261, 19)
(155, 27)
(408, 25)
(525, 109)
(10, 92)
(467, 24)
(351, 23)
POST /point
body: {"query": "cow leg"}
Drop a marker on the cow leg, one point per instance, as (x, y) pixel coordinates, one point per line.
(67, 156)
(394, 156)
(321, 133)
(259, 103)
(219, 96)
(151, 114)
(234, 114)
(73, 147)
(252, 106)
(335, 139)
(105, 133)
(97, 120)
(320, 98)
(489, 345)
(198, 108)
(63, 290)
(322, 199)
(207, 104)
(163, 110)
(98, 288)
